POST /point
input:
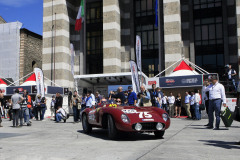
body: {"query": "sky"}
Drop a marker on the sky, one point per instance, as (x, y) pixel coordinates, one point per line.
(28, 12)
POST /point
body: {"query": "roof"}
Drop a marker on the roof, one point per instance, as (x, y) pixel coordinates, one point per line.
(2, 81)
(28, 32)
(2, 20)
(183, 66)
(107, 78)
(183, 69)
(31, 81)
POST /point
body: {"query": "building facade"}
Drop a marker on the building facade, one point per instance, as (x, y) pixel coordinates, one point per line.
(204, 31)
(20, 51)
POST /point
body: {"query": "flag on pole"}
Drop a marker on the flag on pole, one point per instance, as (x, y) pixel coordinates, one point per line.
(135, 79)
(156, 13)
(138, 53)
(80, 17)
(72, 58)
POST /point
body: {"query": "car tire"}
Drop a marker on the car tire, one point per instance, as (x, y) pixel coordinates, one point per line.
(112, 130)
(87, 128)
(159, 134)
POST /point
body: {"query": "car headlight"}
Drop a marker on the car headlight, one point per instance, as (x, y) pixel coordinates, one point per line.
(159, 126)
(124, 118)
(165, 117)
(138, 127)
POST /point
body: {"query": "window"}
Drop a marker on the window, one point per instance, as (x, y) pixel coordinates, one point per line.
(146, 29)
(144, 7)
(149, 36)
(94, 38)
(208, 34)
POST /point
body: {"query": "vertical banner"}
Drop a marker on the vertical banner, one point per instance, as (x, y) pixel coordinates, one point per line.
(39, 81)
(72, 58)
(135, 79)
(138, 53)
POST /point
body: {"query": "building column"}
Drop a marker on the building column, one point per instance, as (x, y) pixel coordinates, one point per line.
(111, 37)
(63, 76)
(238, 30)
(172, 32)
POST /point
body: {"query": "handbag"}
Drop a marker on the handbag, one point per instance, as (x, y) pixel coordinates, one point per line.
(236, 114)
(79, 106)
(202, 107)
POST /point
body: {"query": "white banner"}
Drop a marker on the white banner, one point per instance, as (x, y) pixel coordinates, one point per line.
(138, 52)
(135, 79)
(39, 82)
(231, 103)
(72, 58)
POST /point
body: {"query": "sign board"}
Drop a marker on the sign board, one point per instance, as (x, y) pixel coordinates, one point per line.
(181, 81)
(11, 90)
(151, 81)
(54, 90)
(66, 91)
(231, 103)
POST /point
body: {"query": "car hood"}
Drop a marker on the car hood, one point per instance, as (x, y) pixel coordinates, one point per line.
(142, 114)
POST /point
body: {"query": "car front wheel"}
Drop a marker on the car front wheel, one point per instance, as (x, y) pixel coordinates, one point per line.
(87, 128)
(112, 130)
(159, 134)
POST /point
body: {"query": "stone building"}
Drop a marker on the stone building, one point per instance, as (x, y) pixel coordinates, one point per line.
(30, 52)
(20, 51)
(204, 31)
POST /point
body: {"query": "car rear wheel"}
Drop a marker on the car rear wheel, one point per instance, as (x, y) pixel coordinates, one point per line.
(112, 130)
(87, 128)
(159, 134)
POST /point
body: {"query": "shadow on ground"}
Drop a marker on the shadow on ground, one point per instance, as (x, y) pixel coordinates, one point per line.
(221, 144)
(122, 136)
(9, 135)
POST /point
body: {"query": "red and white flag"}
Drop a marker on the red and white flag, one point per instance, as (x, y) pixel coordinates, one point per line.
(80, 17)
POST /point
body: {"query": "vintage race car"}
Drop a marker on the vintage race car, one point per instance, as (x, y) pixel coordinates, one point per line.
(125, 118)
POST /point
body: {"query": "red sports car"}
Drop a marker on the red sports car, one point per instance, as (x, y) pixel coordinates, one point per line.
(125, 118)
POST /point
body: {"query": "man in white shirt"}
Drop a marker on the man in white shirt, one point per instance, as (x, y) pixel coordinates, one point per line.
(171, 101)
(187, 104)
(216, 97)
(164, 102)
(60, 114)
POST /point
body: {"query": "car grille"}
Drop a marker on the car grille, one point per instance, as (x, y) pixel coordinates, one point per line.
(148, 126)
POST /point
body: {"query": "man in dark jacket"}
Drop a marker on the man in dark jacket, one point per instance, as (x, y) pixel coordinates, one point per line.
(59, 102)
(120, 95)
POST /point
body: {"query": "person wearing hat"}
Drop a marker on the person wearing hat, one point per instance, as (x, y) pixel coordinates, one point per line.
(132, 97)
(216, 98)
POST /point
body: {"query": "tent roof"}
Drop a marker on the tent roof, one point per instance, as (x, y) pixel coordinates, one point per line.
(183, 73)
(2, 82)
(183, 66)
(31, 78)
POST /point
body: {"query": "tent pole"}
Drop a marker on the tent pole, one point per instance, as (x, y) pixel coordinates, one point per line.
(6, 80)
(168, 68)
(20, 79)
(52, 82)
(197, 66)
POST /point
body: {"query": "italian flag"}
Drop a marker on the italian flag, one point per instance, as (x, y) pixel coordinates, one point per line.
(80, 17)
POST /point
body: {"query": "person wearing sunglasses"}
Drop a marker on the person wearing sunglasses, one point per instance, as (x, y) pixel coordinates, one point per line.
(118, 102)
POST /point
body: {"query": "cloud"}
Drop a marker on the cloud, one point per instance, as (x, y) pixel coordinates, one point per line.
(17, 3)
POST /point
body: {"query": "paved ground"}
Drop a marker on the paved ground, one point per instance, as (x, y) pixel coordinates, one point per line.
(185, 139)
